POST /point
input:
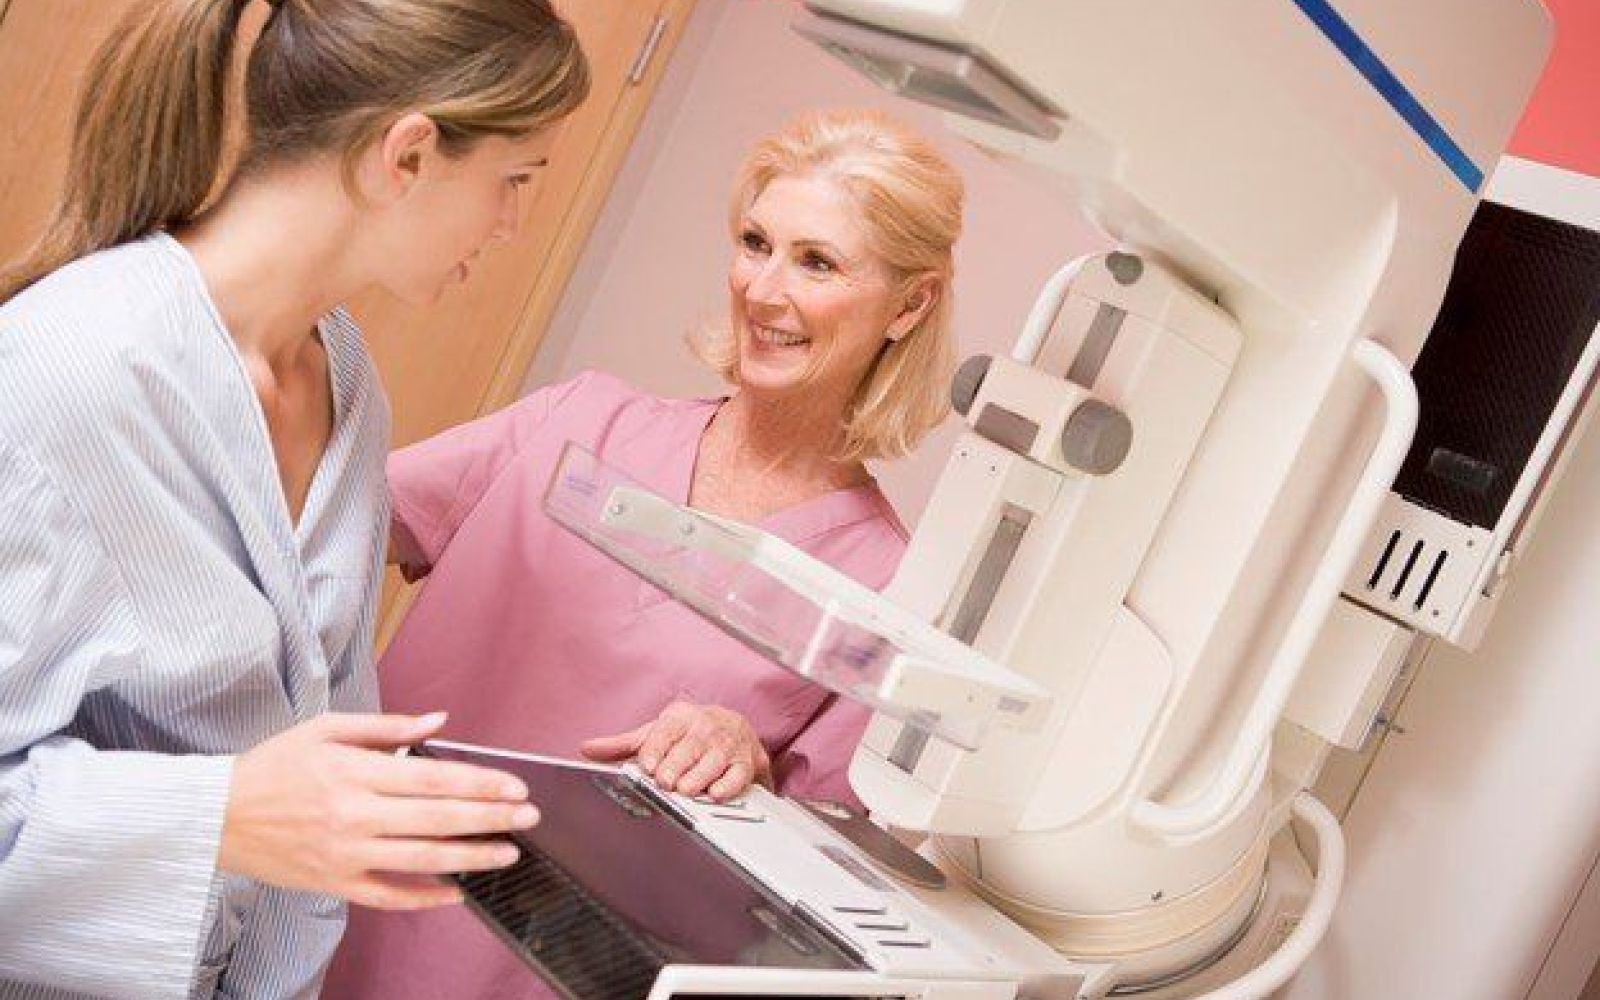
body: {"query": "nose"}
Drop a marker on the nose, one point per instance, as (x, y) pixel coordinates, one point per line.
(767, 285)
(510, 218)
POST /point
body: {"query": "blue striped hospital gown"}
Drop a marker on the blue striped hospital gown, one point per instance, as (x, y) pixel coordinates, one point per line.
(159, 613)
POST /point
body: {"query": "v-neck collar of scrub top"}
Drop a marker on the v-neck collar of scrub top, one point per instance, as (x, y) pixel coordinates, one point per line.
(795, 524)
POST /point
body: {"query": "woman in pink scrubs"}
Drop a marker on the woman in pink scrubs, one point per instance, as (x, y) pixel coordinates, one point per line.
(839, 351)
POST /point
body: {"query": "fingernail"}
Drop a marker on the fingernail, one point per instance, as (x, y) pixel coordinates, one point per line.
(524, 817)
(506, 856)
(648, 763)
(513, 789)
(433, 720)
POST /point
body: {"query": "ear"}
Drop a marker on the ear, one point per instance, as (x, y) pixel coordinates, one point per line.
(921, 293)
(401, 151)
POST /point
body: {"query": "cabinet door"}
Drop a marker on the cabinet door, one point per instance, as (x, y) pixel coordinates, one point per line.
(45, 47)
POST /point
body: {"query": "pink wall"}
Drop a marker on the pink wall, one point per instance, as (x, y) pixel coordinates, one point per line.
(1562, 124)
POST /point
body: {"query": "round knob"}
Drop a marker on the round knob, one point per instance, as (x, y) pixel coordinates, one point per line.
(969, 379)
(1125, 267)
(1096, 437)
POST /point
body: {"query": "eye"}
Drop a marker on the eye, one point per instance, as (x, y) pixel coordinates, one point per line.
(753, 242)
(817, 263)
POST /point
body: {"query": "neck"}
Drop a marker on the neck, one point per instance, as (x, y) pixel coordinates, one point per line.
(791, 436)
(274, 253)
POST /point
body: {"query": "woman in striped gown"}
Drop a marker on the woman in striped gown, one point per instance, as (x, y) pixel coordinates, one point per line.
(192, 439)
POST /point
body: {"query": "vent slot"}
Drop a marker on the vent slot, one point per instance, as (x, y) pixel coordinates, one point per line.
(1383, 561)
(1433, 575)
(1405, 572)
(1413, 567)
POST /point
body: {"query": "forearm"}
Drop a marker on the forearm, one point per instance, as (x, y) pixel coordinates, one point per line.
(108, 861)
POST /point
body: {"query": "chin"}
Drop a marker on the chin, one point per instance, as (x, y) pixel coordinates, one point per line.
(771, 378)
(420, 296)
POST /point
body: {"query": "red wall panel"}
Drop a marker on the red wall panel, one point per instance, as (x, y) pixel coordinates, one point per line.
(1562, 124)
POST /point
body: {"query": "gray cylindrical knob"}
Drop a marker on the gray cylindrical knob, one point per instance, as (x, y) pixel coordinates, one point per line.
(1126, 267)
(969, 379)
(1096, 437)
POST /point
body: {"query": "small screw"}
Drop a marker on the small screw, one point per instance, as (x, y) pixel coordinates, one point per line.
(1155, 897)
(617, 509)
(1386, 723)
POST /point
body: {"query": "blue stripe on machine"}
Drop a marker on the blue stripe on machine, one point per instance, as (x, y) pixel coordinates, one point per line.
(1389, 86)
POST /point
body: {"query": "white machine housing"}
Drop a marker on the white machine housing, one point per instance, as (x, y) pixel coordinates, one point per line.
(1236, 146)
(1309, 170)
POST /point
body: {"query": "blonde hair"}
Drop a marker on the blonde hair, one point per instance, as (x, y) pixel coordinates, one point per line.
(910, 200)
(323, 76)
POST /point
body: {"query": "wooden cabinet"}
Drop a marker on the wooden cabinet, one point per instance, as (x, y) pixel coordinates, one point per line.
(468, 354)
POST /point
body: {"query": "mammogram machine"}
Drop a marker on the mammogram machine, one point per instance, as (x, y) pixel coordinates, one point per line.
(1194, 522)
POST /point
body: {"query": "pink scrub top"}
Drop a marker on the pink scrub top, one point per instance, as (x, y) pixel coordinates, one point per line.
(533, 640)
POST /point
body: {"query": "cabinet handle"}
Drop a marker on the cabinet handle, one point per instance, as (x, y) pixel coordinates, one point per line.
(641, 62)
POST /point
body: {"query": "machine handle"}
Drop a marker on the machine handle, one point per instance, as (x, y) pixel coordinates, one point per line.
(1045, 308)
(1241, 772)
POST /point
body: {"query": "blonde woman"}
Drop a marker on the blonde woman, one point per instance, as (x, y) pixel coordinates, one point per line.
(838, 351)
(192, 441)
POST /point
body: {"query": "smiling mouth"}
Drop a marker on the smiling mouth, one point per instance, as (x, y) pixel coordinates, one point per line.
(766, 336)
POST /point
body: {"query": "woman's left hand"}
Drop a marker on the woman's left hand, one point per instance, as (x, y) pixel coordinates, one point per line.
(692, 749)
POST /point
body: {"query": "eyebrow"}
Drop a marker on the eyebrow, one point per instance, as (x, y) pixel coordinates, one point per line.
(543, 161)
(823, 245)
(751, 222)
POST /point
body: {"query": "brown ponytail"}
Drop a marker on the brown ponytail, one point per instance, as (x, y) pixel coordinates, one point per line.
(147, 141)
(324, 76)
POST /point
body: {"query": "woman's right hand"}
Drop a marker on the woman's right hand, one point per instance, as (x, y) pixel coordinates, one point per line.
(327, 807)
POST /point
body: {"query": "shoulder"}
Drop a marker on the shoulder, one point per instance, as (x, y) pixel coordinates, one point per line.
(863, 513)
(882, 539)
(108, 295)
(595, 404)
(79, 346)
(603, 392)
(858, 533)
(885, 518)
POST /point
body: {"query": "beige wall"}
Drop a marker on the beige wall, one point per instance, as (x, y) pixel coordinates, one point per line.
(654, 267)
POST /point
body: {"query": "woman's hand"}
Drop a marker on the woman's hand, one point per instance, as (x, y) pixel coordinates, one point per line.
(692, 749)
(327, 807)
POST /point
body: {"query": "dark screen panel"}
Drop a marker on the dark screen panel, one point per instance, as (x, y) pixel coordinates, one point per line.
(1520, 308)
(612, 887)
